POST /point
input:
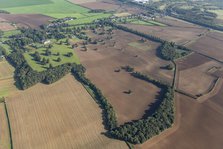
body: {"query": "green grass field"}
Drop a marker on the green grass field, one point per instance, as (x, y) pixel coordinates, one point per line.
(52, 8)
(62, 49)
(147, 23)
(89, 19)
(19, 3)
(139, 45)
(219, 13)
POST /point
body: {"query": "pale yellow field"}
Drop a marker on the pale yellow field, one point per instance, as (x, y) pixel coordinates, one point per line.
(4, 130)
(60, 116)
(7, 82)
(6, 70)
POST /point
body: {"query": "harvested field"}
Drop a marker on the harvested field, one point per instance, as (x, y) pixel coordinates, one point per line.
(6, 70)
(102, 65)
(211, 45)
(4, 130)
(7, 87)
(26, 20)
(180, 32)
(61, 115)
(200, 127)
(6, 26)
(196, 80)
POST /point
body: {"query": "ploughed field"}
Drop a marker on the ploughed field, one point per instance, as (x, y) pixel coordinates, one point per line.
(103, 62)
(61, 115)
(211, 45)
(200, 126)
(26, 20)
(195, 76)
(176, 30)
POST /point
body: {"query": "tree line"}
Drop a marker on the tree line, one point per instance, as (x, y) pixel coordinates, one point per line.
(141, 130)
(109, 116)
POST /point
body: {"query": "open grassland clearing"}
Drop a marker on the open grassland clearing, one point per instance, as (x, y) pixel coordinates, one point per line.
(211, 45)
(200, 126)
(57, 52)
(89, 19)
(144, 22)
(219, 13)
(6, 26)
(6, 70)
(62, 115)
(26, 20)
(7, 86)
(4, 129)
(107, 59)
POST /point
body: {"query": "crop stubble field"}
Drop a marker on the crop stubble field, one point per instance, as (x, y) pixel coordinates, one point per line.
(7, 86)
(61, 115)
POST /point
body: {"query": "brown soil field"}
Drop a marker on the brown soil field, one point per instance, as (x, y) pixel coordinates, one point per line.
(6, 26)
(4, 130)
(180, 35)
(26, 20)
(211, 45)
(200, 127)
(57, 116)
(102, 63)
(191, 61)
(82, 1)
(6, 70)
(101, 5)
(196, 80)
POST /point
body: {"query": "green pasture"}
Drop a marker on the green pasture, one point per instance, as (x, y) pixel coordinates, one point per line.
(139, 45)
(54, 8)
(147, 23)
(218, 12)
(62, 49)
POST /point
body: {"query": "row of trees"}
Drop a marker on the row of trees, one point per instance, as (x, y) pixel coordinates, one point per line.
(109, 117)
(141, 130)
(26, 77)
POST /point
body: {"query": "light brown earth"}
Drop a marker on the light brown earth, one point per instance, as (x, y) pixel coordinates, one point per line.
(180, 35)
(6, 70)
(197, 80)
(26, 20)
(211, 45)
(200, 126)
(7, 83)
(61, 115)
(4, 130)
(6, 26)
(82, 1)
(102, 63)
